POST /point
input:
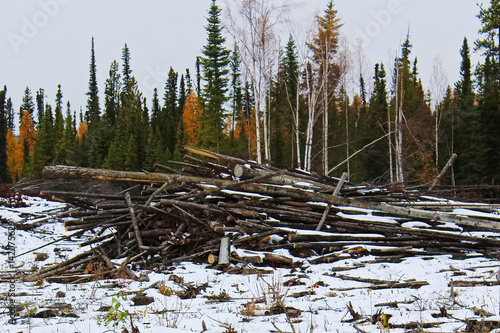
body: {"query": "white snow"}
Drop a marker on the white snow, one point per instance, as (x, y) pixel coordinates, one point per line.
(323, 297)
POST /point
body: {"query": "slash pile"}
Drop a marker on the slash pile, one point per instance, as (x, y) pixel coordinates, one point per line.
(238, 215)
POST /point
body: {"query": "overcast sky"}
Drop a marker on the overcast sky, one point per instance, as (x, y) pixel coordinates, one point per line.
(47, 42)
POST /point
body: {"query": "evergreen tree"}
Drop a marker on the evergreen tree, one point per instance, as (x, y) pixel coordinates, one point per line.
(489, 114)
(170, 113)
(58, 120)
(373, 126)
(189, 83)
(198, 76)
(44, 147)
(469, 164)
(126, 70)
(27, 105)
(282, 109)
(416, 123)
(66, 146)
(9, 109)
(130, 124)
(40, 104)
(155, 110)
(214, 63)
(236, 90)
(112, 95)
(490, 20)
(4, 173)
(182, 95)
(180, 137)
(92, 113)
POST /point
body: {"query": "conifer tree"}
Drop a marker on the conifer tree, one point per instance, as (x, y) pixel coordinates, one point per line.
(112, 95)
(9, 109)
(4, 174)
(96, 141)
(214, 63)
(44, 146)
(373, 126)
(126, 70)
(40, 105)
(155, 110)
(58, 121)
(180, 137)
(170, 113)
(27, 105)
(189, 83)
(27, 138)
(282, 108)
(236, 90)
(198, 76)
(130, 124)
(489, 114)
(469, 164)
(92, 113)
(66, 146)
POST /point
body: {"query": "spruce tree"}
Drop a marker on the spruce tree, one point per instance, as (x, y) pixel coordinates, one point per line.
(180, 137)
(236, 90)
(27, 105)
(4, 173)
(189, 83)
(170, 113)
(373, 125)
(112, 95)
(40, 104)
(44, 147)
(214, 63)
(92, 113)
(469, 164)
(155, 110)
(489, 114)
(126, 70)
(9, 109)
(66, 146)
(58, 120)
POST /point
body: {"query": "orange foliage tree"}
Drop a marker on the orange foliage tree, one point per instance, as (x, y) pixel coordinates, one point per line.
(25, 144)
(82, 131)
(14, 156)
(191, 118)
(27, 132)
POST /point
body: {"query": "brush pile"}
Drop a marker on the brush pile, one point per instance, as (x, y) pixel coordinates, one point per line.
(239, 215)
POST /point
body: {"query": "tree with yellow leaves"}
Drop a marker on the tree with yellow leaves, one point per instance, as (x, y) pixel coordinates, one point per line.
(191, 118)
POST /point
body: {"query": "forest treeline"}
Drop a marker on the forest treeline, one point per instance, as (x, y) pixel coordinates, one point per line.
(279, 107)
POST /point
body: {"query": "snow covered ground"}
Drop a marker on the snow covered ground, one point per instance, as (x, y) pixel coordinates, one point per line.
(315, 297)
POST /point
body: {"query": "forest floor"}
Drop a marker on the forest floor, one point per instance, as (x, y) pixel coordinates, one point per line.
(435, 293)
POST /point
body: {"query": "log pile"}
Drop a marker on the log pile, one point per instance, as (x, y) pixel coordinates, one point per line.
(234, 214)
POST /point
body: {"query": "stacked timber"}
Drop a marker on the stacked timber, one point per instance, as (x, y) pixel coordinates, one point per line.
(236, 214)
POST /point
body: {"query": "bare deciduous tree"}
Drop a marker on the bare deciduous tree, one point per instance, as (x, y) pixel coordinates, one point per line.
(253, 23)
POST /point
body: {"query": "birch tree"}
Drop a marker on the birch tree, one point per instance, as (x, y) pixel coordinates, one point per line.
(253, 23)
(324, 47)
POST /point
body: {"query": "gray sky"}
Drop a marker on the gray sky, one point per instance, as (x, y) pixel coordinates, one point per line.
(47, 42)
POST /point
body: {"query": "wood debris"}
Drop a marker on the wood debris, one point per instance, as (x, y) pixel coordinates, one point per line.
(230, 211)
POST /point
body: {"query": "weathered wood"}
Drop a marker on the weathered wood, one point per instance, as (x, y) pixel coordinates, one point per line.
(135, 224)
(224, 251)
(335, 194)
(62, 172)
(441, 174)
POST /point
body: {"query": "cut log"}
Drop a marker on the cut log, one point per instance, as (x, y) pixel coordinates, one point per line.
(224, 252)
